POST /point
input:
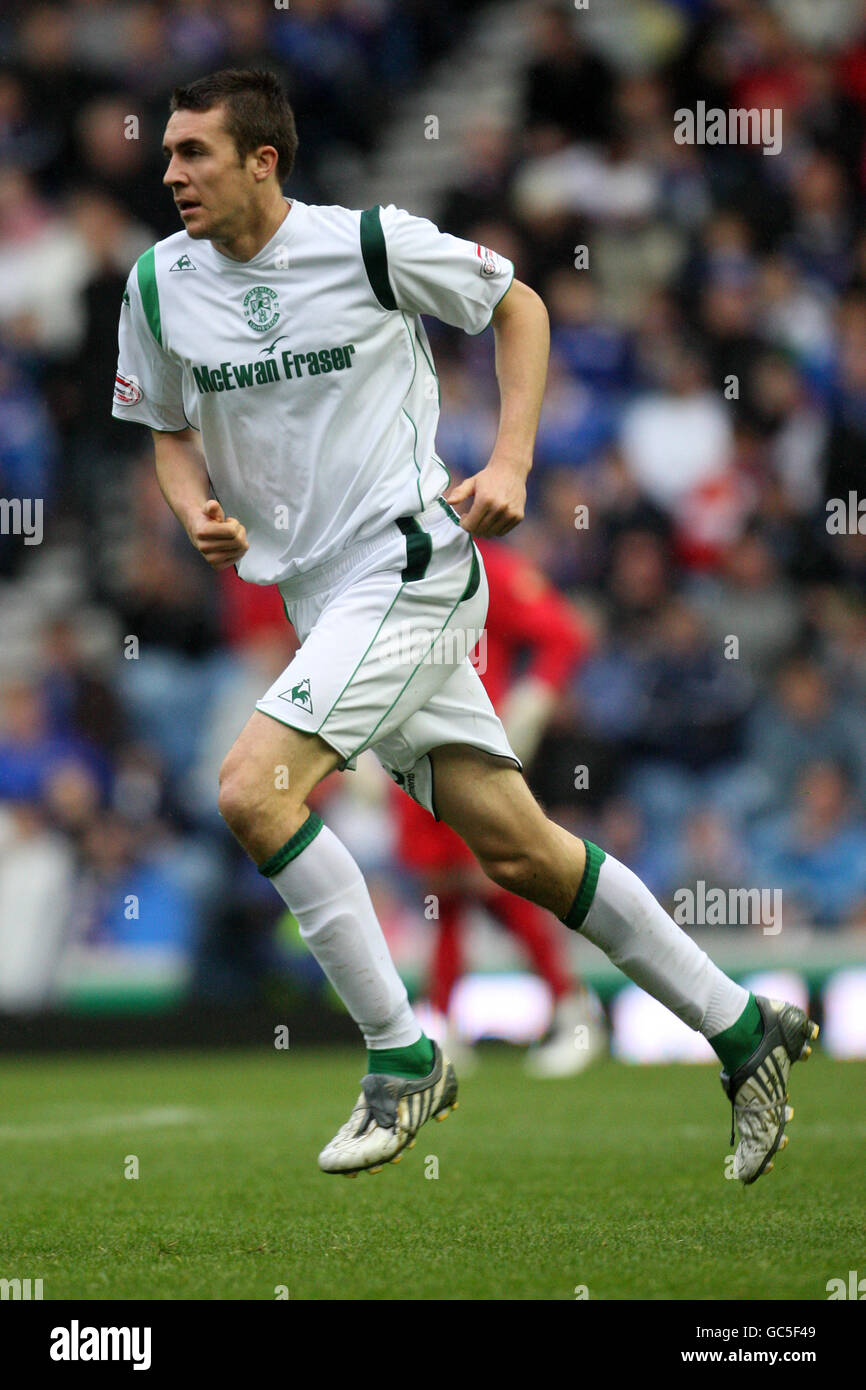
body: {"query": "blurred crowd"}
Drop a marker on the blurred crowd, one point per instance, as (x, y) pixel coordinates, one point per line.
(706, 400)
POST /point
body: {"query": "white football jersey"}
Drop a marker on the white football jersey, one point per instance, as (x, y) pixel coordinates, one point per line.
(307, 370)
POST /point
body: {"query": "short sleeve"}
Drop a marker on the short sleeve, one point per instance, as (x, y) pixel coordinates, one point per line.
(432, 272)
(148, 384)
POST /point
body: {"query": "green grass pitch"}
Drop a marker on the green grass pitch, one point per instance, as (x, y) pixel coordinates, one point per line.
(613, 1181)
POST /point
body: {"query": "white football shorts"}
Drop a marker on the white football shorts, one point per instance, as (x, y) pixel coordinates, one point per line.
(386, 631)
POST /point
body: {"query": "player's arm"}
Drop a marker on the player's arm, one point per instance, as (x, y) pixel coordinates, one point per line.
(522, 335)
(183, 478)
(149, 391)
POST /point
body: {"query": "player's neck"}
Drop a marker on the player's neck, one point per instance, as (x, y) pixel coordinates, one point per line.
(257, 233)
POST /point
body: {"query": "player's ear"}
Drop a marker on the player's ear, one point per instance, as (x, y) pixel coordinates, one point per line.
(266, 160)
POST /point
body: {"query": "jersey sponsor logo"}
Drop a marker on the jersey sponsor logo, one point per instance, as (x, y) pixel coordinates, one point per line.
(491, 264)
(233, 376)
(261, 308)
(126, 390)
(300, 695)
(183, 263)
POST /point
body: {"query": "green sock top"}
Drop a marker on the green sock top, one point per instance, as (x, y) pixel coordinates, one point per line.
(414, 1060)
(576, 914)
(736, 1044)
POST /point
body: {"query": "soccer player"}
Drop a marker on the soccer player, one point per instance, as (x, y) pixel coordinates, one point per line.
(277, 353)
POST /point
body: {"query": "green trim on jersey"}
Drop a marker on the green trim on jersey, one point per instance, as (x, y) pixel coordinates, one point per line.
(411, 336)
(419, 548)
(429, 361)
(404, 411)
(496, 306)
(413, 339)
(375, 254)
(149, 293)
(444, 465)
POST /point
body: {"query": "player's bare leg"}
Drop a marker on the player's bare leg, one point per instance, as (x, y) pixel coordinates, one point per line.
(264, 784)
(265, 781)
(487, 801)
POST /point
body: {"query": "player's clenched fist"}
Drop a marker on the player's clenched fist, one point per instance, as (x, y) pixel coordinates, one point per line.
(222, 540)
(498, 500)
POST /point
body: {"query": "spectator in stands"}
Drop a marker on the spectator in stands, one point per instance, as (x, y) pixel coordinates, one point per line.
(816, 852)
(679, 436)
(803, 720)
(751, 600)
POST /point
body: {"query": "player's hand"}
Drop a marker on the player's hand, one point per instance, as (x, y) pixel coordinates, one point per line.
(220, 539)
(498, 496)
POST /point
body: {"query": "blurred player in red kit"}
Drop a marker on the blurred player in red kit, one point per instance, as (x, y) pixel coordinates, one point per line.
(531, 646)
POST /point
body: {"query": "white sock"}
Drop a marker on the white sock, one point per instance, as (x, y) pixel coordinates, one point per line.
(634, 930)
(324, 888)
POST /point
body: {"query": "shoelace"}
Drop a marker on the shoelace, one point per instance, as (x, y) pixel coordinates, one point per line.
(753, 1110)
(352, 1127)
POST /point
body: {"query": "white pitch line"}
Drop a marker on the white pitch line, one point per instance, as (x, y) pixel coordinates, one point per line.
(104, 1124)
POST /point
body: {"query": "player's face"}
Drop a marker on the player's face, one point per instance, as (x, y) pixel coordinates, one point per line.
(211, 187)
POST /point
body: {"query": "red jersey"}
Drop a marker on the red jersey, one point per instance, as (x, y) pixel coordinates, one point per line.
(526, 619)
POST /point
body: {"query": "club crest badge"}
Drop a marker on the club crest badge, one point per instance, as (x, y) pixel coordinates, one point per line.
(261, 308)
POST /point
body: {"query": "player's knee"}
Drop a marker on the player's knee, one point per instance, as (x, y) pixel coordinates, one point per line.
(520, 867)
(242, 797)
(512, 869)
(232, 800)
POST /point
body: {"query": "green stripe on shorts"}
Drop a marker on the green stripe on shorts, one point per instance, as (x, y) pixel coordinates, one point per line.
(474, 577)
(419, 548)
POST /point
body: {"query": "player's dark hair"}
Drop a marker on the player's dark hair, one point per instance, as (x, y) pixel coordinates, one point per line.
(257, 111)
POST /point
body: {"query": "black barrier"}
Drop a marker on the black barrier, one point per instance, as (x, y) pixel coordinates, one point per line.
(182, 1026)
